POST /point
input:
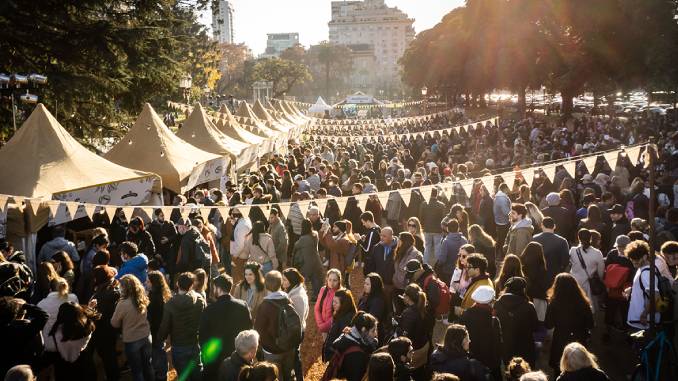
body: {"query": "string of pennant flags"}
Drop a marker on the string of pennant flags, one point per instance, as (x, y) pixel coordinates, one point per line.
(146, 212)
(359, 106)
(389, 122)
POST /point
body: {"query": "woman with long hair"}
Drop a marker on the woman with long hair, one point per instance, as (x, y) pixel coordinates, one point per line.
(305, 256)
(484, 244)
(323, 306)
(259, 248)
(460, 279)
(510, 268)
(578, 364)
(374, 301)
(46, 274)
(587, 262)
(158, 294)
(459, 212)
(130, 315)
(200, 283)
(534, 268)
(293, 285)
(59, 294)
(453, 356)
(70, 334)
(535, 215)
(343, 310)
(362, 332)
(404, 251)
(570, 315)
(518, 320)
(107, 294)
(411, 324)
(381, 367)
(251, 289)
(414, 228)
(64, 266)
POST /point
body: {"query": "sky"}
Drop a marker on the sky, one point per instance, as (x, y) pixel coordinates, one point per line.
(253, 19)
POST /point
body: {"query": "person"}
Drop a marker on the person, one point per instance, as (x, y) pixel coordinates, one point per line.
(411, 324)
(241, 228)
(164, 235)
(619, 271)
(594, 221)
(519, 322)
(200, 284)
(380, 367)
(343, 310)
(501, 209)
(453, 356)
(45, 275)
(620, 224)
(216, 332)
(58, 243)
(444, 377)
(305, 256)
(639, 304)
(586, 262)
(484, 330)
(130, 316)
(520, 233)
(278, 232)
(516, 368)
(401, 350)
(71, 333)
(382, 262)
(293, 285)
(246, 344)
(430, 214)
(425, 277)
(562, 218)
(64, 267)
(477, 271)
(484, 244)
(570, 315)
(534, 268)
(261, 371)
(370, 240)
(578, 364)
(267, 323)
(158, 294)
(352, 350)
(133, 262)
(340, 244)
(21, 324)
(556, 249)
(107, 294)
(404, 252)
(259, 248)
(460, 278)
(20, 373)
(251, 289)
(414, 228)
(534, 376)
(137, 234)
(449, 250)
(323, 306)
(374, 301)
(99, 243)
(180, 322)
(59, 295)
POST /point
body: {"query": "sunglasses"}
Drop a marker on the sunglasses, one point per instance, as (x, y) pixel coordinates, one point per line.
(412, 225)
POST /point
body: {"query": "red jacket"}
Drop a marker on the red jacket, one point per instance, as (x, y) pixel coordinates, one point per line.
(323, 312)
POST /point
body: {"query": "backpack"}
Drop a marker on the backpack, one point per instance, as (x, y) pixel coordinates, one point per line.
(350, 256)
(666, 295)
(443, 307)
(289, 327)
(617, 278)
(199, 255)
(332, 370)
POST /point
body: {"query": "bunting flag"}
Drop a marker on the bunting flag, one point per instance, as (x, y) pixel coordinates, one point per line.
(18, 200)
(205, 213)
(611, 158)
(184, 211)
(467, 185)
(3, 202)
(590, 163)
(362, 201)
(223, 211)
(148, 214)
(35, 204)
(426, 192)
(89, 210)
(110, 212)
(72, 208)
(322, 205)
(128, 211)
(303, 207)
(341, 203)
(509, 178)
(550, 172)
(244, 210)
(571, 168)
(53, 207)
(167, 212)
(406, 196)
(266, 209)
(383, 198)
(285, 209)
(528, 176)
(488, 182)
(633, 153)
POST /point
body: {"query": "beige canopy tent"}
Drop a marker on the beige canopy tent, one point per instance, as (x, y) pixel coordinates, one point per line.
(247, 117)
(151, 146)
(264, 115)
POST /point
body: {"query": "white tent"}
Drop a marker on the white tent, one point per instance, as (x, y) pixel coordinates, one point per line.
(320, 106)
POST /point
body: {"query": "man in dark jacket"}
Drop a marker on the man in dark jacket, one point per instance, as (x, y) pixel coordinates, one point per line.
(164, 234)
(381, 261)
(620, 224)
(484, 330)
(245, 354)
(21, 326)
(556, 248)
(187, 257)
(371, 238)
(562, 217)
(450, 250)
(217, 332)
(137, 234)
(180, 321)
(430, 215)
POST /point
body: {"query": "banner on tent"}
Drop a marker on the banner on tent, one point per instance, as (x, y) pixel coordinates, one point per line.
(205, 172)
(131, 192)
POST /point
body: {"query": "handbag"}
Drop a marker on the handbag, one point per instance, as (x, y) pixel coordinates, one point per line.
(596, 284)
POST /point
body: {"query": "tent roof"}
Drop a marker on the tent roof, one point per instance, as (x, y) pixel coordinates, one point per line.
(264, 115)
(42, 159)
(229, 126)
(150, 145)
(199, 131)
(320, 106)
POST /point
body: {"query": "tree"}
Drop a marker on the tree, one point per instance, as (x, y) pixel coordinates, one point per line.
(334, 64)
(232, 69)
(283, 73)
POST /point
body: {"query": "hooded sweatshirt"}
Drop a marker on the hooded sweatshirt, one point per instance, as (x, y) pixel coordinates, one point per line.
(181, 319)
(137, 266)
(266, 322)
(519, 236)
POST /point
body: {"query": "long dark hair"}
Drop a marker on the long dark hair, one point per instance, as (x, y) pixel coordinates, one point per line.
(306, 227)
(346, 303)
(533, 260)
(376, 286)
(584, 236)
(258, 276)
(418, 297)
(64, 260)
(566, 291)
(454, 340)
(75, 321)
(258, 228)
(405, 241)
(294, 277)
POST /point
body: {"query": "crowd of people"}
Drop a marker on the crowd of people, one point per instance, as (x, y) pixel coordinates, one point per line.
(454, 287)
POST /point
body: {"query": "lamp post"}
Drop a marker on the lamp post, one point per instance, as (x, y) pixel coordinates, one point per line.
(424, 91)
(185, 84)
(13, 84)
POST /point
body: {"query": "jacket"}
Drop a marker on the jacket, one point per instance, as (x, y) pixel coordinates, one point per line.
(156, 307)
(354, 366)
(137, 266)
(519, 235)
(556, 253)
(501, 208)
(242, 227)
(25, 336)
(279, 235)
(51, 305)
(107, 297)
(299, 298)
(430, 214)
(411, 324)
(134, 324)
(322, 310)
(240, 292)
(482, 280)
(519, 321)
(338, 324)
(159, 230)
(186, 251)
(144, 242)
(230, 368)
(305, 256)
(462, 366)
(262, 253)
(564, 220)
(381, 261)
(338, 249)
(484, 330)
(584, 374)
(447, 257)
(58, 244)
(266, 322)
(570, 323)
(181, 319)
(400, 268)
(213, 326)
(595, 263)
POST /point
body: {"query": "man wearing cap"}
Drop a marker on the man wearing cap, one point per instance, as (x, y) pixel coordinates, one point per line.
(587, 182)
(484, 329)
(620, 224)
(424, 276)
(214, 329)
(338, 245)
(564, 220)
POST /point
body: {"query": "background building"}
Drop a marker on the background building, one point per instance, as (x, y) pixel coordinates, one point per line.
(222, 22)
(388, 30)
(277, 42)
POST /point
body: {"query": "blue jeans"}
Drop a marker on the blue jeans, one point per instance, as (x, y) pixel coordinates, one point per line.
(159, 360)
(187, 362)
(139, 359)
(432, 245)
(266, 267)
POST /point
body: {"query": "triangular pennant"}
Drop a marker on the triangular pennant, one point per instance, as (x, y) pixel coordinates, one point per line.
(571, 168)
(72, 208)
(467, 185)
(362, 201)
(110, 212)
(590, 163)
(167, 212)
(18, 200)
(611, 158)
(285, 209)
(528, 176)
(205, 213)
(53, 207)
(3, 202)
(341, 203)
(426, 192)
(89, 210)
(383, 198)
(303, 207)
(244, 210)
(406, 196)
(322, 205)
(35, 204)
(509, 178)
(488, 182)
(633, 154)
(223, 211)
(185, 211)
(550, 172)
(147, 215)
(266, 209)
(128, 211)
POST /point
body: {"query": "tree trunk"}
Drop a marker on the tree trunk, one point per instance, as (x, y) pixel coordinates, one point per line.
(522, 101)
(327, 80)
(567, 105)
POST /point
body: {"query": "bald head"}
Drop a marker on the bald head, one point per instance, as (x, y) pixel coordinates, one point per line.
(386, 235)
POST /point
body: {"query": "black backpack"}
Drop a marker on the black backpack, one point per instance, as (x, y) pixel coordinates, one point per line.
(289, 327)
(666, 294)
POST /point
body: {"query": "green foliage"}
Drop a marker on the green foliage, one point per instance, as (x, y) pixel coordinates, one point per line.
(283, 73)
